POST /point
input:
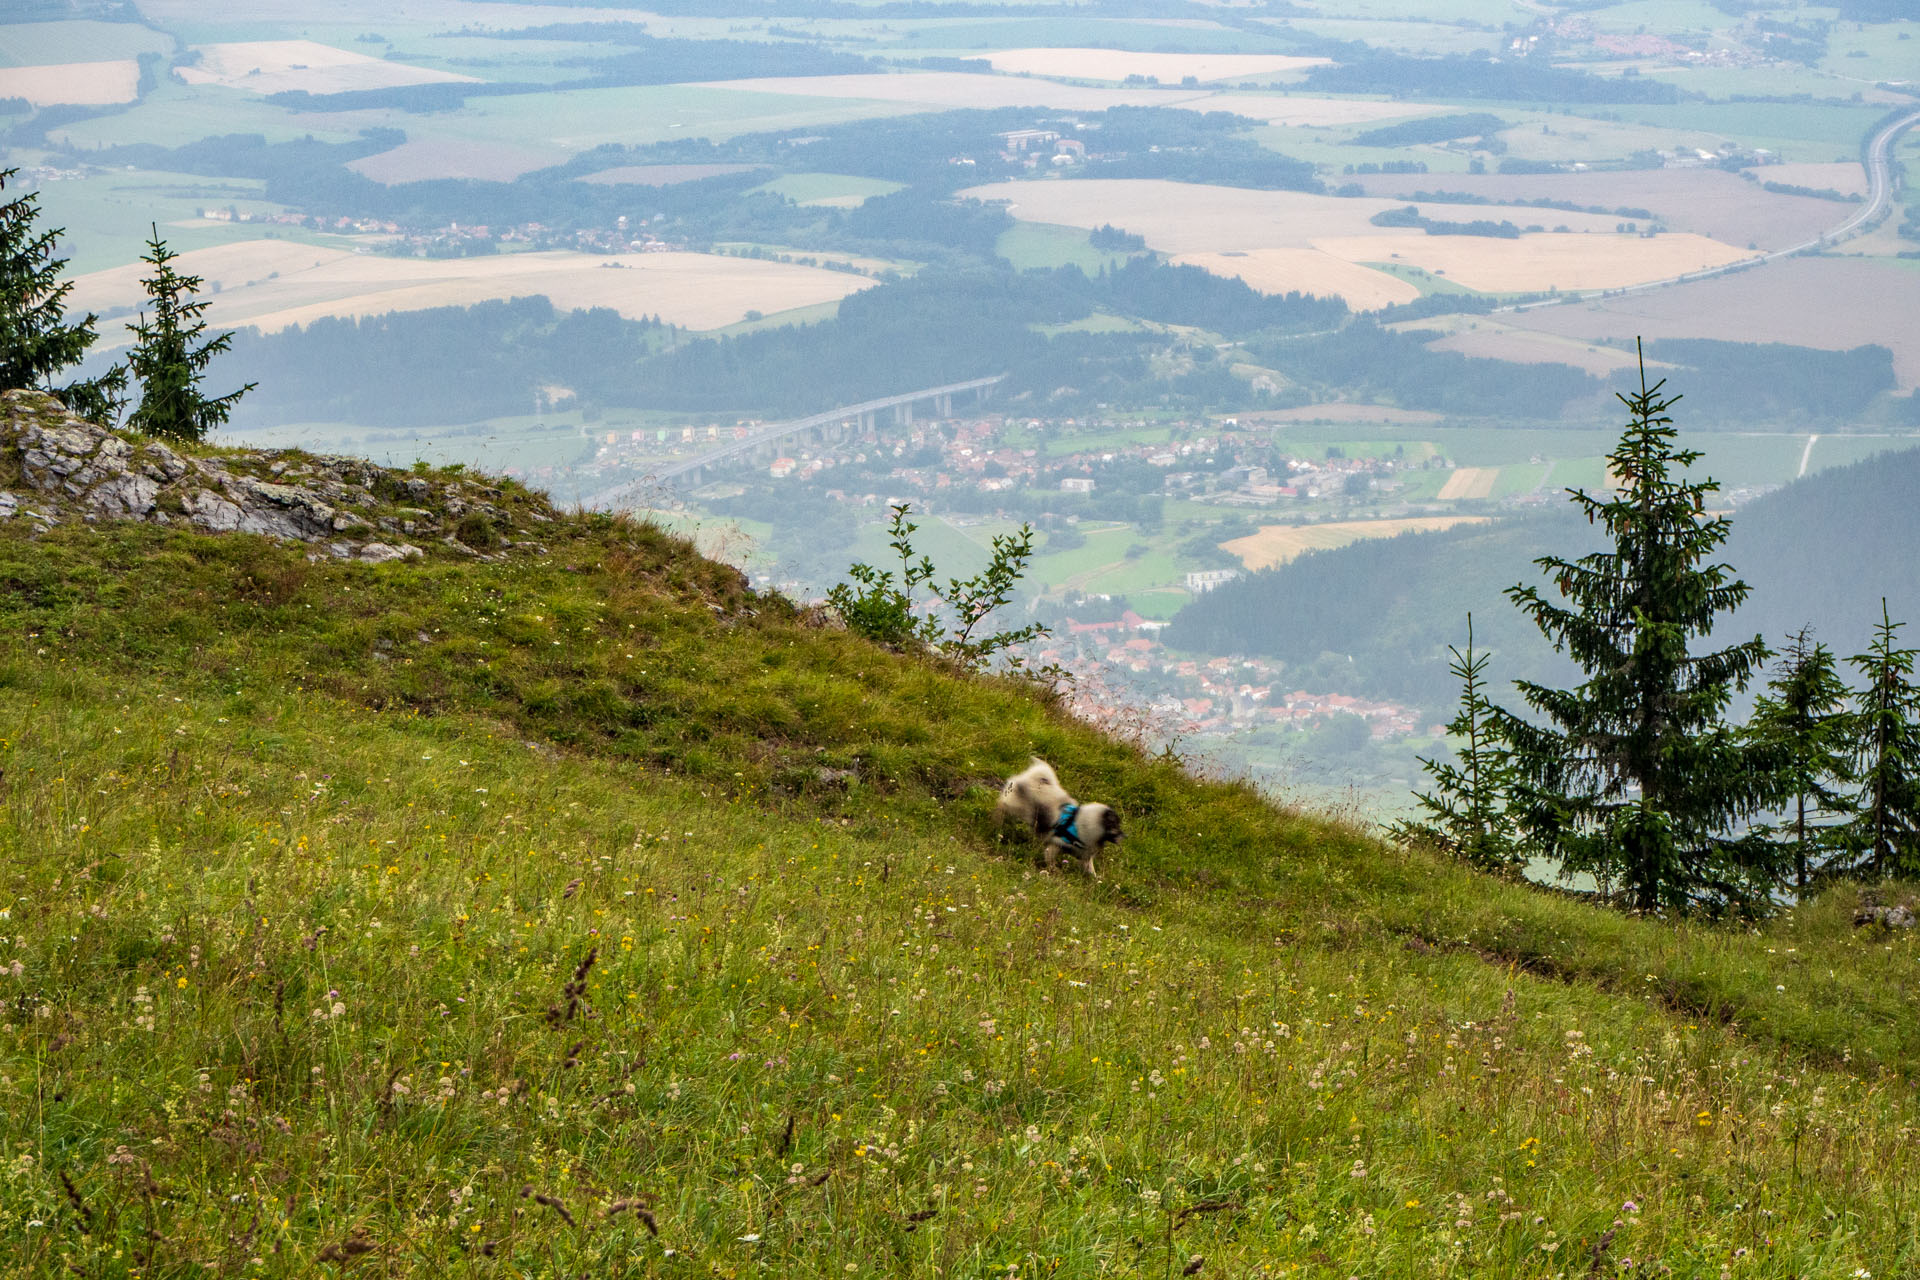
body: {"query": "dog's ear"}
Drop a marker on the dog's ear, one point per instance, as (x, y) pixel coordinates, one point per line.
(1110, 827)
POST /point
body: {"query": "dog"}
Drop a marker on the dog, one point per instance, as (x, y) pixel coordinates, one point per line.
(1034, 800)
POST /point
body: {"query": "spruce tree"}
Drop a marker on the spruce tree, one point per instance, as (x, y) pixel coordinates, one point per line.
(1802, 728)
(1466, 811)
(169, 358)
(37, 344)
(1635, 774)
(1884, 835)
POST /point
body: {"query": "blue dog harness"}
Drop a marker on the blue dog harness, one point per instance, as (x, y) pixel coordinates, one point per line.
(1066, 827)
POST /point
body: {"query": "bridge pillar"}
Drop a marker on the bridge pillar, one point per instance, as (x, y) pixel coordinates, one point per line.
(944, 405)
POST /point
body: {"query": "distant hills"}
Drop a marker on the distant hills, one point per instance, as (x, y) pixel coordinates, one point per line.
(1377, 616)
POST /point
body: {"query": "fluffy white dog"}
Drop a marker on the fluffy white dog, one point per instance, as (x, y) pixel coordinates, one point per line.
(1034, 800)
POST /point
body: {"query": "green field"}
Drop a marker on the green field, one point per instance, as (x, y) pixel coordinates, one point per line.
(828, 188)
(29, 44)
(1774, 81)
(986, 33)
(108, 216)
(1093, 322)
(1800, 131)
(1043, 245)
(1883, 51)
(1419, 278)
(175, 114)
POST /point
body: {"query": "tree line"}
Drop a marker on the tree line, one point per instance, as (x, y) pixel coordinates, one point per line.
(943, 324)
(1636, 775)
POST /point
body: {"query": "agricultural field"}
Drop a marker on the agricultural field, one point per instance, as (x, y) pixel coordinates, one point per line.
(1212, 226)
(1488, 338)
(1826, 302)
(662, 175)
(1795, 131)
(1166, 68)
(1183, 217)
(971, 37)
(1279, 271)
(962, 90)
(1468, 482)
(281, 66)
(271, 284)
(580, 119)
(1709, 202)
(73, 83)
(430, 158)
(1278, 543)
(174, 115)
(107, 216)
(1541, 261)
(1304, 112)
(41, 44)
(829, 190)
(1034, 245)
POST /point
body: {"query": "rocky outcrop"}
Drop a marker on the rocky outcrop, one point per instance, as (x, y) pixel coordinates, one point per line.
(57, 468)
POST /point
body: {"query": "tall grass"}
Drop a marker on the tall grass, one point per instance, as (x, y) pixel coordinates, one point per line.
(305, 865)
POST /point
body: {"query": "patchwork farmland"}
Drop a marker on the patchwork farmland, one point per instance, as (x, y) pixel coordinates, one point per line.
(273, 284)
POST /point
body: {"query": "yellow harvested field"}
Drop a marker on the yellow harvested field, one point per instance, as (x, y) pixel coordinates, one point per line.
(272, 284)
(1276, 544)
(1167, 68)
(1469, 482)
(1539, 261)
(1485, 338)
(1184, 217)
(425, 158)
(278, 66)
(1845, 176)
(87, 84)
(1278, 271)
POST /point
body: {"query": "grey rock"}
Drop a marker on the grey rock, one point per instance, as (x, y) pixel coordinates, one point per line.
(124, 494)
(212, 512)
(1895, 917)
(382, 553)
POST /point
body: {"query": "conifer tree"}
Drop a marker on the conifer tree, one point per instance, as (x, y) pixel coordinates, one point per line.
(37, 344)
(1635, 774)
(1466, 811)
(169, 358)
(1802, 727)
(1884, 835)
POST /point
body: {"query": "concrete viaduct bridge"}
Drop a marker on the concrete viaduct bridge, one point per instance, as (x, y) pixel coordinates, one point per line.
(764, 444)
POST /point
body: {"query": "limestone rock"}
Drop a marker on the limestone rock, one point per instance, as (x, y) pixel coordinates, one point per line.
(61, 467)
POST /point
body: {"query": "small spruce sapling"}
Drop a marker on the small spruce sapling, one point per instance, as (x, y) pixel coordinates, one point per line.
(1466, 811)
(169, 357)
(1803, 732)
(37, 343)
(1883, 836)
(883, 608)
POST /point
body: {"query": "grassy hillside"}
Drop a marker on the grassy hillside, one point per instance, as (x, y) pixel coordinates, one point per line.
(576, 912)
